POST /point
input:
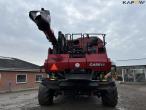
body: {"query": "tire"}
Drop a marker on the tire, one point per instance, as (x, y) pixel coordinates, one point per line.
(45, 95)
(110, 97)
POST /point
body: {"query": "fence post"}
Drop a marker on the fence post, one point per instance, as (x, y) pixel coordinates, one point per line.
(123, 75)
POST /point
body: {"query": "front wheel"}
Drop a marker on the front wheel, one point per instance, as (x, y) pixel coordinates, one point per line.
(110, 97)
(45, 95)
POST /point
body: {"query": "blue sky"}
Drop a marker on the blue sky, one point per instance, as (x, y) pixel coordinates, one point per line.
(124, 25)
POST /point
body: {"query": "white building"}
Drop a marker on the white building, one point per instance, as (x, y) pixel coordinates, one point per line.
(132, 70)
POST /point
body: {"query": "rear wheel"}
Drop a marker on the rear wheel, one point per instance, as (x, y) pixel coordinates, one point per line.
(110, 97)
(45, 95)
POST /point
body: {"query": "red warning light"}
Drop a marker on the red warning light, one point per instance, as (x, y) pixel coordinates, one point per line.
(54, 67)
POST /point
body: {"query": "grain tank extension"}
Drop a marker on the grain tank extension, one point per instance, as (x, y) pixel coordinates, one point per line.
(77, 64)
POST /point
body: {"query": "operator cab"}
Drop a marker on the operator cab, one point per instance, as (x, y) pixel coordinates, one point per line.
(89, 43)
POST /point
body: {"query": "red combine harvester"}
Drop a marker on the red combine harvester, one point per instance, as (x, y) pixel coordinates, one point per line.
(76, 65)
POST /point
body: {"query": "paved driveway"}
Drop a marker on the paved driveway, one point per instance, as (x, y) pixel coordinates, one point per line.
(131, 97)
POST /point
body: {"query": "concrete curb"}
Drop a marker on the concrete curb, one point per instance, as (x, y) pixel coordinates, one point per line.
(133, 83)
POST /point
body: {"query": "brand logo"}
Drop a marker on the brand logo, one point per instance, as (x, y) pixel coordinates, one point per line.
(133, 2)
(77, 65)
(96, 64)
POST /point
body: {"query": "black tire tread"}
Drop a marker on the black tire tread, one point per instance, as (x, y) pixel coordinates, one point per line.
(45, 95)
(110, 97)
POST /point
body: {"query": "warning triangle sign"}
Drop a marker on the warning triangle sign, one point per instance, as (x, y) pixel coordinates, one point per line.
(54, 67)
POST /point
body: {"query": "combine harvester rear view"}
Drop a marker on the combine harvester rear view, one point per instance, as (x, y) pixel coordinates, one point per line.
(75, 66)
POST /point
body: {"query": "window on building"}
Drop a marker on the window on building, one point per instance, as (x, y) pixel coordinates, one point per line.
(139, 75)
(21, 78)
(39, 77)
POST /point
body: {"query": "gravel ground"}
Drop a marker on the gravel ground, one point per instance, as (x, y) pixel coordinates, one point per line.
(131, 97)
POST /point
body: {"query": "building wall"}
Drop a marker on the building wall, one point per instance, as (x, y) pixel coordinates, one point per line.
(8, 81)
(129, 72)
